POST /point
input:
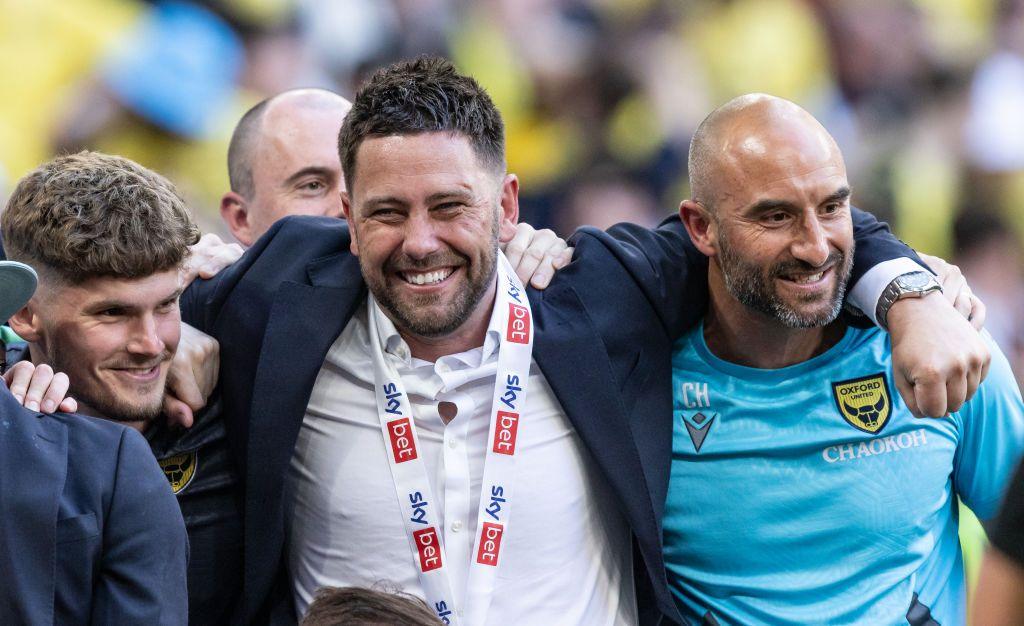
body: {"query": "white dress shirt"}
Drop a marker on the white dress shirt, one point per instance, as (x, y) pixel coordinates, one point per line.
(566, 558)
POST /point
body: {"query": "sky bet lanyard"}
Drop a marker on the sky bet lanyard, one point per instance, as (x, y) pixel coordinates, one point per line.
(412, 486)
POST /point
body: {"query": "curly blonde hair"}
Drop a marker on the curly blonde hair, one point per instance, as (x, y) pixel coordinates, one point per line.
(88, 214)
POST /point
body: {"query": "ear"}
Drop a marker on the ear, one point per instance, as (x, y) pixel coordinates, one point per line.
(26, 323)
(699, 223)
(346, 211)
(235, 214)
(509, 208)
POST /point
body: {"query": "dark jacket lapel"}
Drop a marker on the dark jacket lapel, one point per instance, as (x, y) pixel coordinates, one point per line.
(304, 321)
(571, 353)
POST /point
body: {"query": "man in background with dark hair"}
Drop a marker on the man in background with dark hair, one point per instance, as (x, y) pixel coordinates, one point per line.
(109, 239)
(390, 381)
(90, 531)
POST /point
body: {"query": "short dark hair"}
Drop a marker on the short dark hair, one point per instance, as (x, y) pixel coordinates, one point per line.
(358, 606)
(421, 96)
(86, 215)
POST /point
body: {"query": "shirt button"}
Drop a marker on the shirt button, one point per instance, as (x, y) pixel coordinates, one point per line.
(456, 526)
(453, 444)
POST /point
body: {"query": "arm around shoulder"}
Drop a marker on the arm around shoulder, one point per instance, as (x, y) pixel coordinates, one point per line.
(662, 261)
(142, 578)
(280, 246)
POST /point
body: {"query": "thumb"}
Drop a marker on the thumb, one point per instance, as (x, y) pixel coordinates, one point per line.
(177, 412)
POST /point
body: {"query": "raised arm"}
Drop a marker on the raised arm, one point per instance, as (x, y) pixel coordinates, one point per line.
(938, 357)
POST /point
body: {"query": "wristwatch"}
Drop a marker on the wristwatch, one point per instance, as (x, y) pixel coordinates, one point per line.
(909, 285)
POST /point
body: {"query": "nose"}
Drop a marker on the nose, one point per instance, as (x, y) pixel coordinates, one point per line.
(145, 339)
(811, 243)
(420, 238)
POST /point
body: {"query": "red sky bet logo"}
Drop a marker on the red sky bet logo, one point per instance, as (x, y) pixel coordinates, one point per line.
(505, 433)
(402, 444)
(428, 548)
(518, 324)
(490, 544)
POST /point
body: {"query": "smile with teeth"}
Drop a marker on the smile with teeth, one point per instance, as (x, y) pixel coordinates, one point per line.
(806, 279)
(426, 278)
(140, 372)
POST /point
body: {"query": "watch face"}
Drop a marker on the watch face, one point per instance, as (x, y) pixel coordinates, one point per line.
(915, 281)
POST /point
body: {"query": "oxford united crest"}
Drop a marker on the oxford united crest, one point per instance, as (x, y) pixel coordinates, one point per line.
(179, 469)
(864, 402)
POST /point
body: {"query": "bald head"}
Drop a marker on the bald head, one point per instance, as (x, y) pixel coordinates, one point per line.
(286, 107)
(753, 131)
(283, 160)
(770, 206)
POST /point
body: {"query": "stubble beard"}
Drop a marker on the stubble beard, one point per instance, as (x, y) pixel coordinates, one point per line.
(405, 313)
(752, 286)
(107, 403)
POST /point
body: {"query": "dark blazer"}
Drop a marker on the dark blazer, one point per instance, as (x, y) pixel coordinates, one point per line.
(89, 529)
(604, 334)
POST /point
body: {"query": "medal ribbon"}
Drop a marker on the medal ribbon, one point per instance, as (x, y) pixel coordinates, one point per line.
(412, 485)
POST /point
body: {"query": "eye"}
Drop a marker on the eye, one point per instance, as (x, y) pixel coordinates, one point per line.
(112, 312)
(313, 185)
(831, 208)
(385, 214)
(776, 218)
(167, 305)
(448, 207)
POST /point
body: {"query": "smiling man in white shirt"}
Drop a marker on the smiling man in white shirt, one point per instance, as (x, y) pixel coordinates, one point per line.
(387, 428)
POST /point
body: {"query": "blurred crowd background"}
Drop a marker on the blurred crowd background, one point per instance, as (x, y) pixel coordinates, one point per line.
(926, 97)
(600, 97)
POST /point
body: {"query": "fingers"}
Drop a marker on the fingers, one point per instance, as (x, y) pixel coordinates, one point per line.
(973, 381)
(208, 371)
(906, 389)
(55, 392)
(930, 395)
(186, 390)
(516, 247)
(935, 263)
(536, 255)
(937, 393)
(209, 256)
(37, 386)
(986, 361)
(198, 359)
(177, 412)
(978, 313)
(954, 287)
(956, 391)
(552, 261)
(18, 378)
(221, 258)
(963, 302)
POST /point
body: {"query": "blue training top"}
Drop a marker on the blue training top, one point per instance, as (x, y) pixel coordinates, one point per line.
(811, 495)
